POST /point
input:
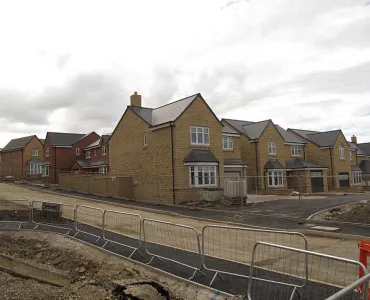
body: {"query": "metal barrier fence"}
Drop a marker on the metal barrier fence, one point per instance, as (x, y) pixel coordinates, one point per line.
(280, 272)
(89, 219)
(15, 211)
(235, 244)
(174, 240)
(122, 228)
(355, 286)
(54, 214)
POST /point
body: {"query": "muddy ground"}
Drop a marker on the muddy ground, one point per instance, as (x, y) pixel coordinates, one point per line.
(93, 274)
(355, 213)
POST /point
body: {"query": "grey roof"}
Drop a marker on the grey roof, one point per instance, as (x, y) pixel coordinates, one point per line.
(302, 164)
(238, 124)
(34, 161)
(94, 144)
(365, 166)
(365, 148)
(288, 137)
(98, 163)
(196, 155)
(17, 144)
(273, 164)
(233, 161)
(42, 141)
(255, 130)
(144, 112)
(353, 146)
(83, 163)
(64, 139)
(105, 137)
(322, 139)
(227, 129)
(356, 168)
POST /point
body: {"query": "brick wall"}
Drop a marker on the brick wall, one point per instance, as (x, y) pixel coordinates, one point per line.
(12, 165)
(27, 153)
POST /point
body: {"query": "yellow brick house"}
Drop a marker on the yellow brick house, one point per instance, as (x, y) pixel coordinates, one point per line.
(171, 151)
(276, 159)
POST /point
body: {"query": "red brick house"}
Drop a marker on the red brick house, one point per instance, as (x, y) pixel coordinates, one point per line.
(96, 158)
(61, 150)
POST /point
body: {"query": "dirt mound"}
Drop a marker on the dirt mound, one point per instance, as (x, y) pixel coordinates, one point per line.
(357, 213)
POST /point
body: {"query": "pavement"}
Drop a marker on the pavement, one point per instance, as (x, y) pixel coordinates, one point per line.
(286, 214)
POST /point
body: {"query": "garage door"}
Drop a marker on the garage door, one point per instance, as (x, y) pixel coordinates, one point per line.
(343, 179)
(232, 175)
(317, 182)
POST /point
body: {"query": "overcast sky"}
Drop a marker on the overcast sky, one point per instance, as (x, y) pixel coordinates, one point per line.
(71, 65)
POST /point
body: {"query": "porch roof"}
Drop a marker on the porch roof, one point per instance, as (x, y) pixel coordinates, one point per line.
(273, 164)
(298, 163)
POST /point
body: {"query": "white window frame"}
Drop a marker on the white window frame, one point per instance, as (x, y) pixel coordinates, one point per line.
(203, 176)
(35, 152)
(78, 151)
(46, 171)
(47, 152)
(88, 154)
(271, 148)
(350, 155)
(145, 139)
(228, 142)
(341, 152)
(277, 178)
(103, 170)
(34, 169)
(104, 150)
(296, 150)
(357, 178)
(199, 135)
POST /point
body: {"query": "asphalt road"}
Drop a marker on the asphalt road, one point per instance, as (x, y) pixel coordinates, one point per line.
(228, 283)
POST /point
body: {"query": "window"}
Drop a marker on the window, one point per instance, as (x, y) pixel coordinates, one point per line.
(272, 147)
(47, 152)
(78, 151)
(199, 135)
(357, 178)
(275, 178)
(103, 170)
(45, 170)
(35, 169)
(88, 154)
(35, 152)
(228, 142)
(104, 150)
(296, 150)
(201, 176)
(145, 139)
(350, 155)
(341, 151)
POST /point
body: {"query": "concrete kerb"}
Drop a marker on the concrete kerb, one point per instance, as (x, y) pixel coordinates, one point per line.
(160, 272)
(332, 235)
(304, 231)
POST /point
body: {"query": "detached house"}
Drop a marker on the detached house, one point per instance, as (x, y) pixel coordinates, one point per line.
(276, 159)
(171, 151)
(21, 158)
(61, 150)
(331, 149)
(95, 158)
(363, 161)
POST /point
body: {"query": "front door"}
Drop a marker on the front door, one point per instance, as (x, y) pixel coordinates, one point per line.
(343, 179)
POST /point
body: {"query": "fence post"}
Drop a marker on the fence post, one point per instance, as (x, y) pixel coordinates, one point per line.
(241, 193)
(106, 185)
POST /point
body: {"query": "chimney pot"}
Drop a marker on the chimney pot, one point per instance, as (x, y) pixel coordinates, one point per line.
(135, 99)
(354, 139)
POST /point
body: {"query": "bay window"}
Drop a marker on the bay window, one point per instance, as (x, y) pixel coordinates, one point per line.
(357, 178)
(34, 169)
(202, 176)
(275, 178)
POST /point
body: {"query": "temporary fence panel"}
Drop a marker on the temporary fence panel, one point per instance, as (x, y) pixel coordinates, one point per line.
(173, 242)
(123, 228)
(281, 272)
(15, 211)
(55, 214)
(361, 284)
(89, 220)
(235, 244)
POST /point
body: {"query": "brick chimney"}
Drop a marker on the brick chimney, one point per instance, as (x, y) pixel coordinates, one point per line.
(135, 99)
(354, 139)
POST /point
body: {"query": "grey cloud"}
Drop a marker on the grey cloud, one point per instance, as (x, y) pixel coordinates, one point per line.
(63, 60)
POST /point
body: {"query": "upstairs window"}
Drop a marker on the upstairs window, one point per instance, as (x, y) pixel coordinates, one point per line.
(35, 152)
(104, 150)
(350, 155)
(341, 151)
(46, 152)
(199, 135)
(272, 147)
(296, 150)
(228, 143)
(78, 151)
(145, 139)
(88, 154)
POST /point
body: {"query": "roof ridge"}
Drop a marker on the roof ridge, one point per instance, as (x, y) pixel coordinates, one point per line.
(65, 132)
(318, 132)
(133, 106)
(252, 123)
(235, 120)
(176, 101)
(302, 130)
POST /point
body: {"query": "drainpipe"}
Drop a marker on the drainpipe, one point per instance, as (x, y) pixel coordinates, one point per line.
(55, 165)
(173, 166)
(257, 169)
(304, 152)
(331, 166)
(22, 164)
